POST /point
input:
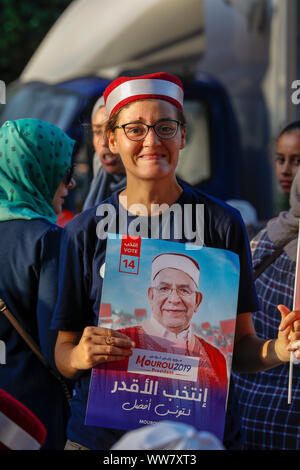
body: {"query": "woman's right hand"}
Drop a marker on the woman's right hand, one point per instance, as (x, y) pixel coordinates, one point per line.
(98, 345)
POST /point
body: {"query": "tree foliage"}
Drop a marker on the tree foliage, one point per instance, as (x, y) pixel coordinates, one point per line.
(24, 25)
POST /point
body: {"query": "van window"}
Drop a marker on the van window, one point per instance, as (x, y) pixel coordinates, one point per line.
(194, 160)
(41, 102)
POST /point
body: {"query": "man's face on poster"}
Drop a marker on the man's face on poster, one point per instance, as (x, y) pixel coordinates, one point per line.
(174, 299)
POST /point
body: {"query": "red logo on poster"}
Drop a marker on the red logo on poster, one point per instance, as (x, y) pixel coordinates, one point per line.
(130, 254)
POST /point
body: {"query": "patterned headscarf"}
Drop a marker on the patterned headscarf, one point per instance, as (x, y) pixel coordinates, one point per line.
(34, 157)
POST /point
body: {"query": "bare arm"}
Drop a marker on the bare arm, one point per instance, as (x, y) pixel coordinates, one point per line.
(79, 351)
(253, 354)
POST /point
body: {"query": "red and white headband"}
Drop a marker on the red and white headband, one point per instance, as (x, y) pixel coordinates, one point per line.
(20, 429)
(160, 85)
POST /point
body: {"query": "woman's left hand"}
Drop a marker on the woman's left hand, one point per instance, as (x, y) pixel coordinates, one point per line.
(288, 339)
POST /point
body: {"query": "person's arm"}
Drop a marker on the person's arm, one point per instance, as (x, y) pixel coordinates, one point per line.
(253, 354)
(47, 290)
(76, 351)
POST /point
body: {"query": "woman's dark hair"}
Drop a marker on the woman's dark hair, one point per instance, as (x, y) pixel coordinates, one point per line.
(112, 122)
(293, 126)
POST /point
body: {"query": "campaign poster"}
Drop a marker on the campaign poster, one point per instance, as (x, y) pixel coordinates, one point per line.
(178, 303)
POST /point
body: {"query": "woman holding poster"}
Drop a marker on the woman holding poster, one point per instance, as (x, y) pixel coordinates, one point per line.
(147, 128)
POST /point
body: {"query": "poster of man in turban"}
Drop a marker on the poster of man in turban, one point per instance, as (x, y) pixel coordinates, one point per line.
(178, 304)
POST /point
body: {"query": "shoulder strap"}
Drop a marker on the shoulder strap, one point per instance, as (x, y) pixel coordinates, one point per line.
(33, 346)
(267, 260)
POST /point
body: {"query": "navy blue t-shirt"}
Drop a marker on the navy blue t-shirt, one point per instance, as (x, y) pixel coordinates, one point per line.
(80, 282)
(28, 285)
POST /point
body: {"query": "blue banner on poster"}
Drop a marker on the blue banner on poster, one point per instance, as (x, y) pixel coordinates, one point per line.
(178, 303)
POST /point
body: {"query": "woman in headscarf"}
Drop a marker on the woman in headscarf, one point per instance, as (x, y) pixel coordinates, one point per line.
(35, 177)
(271, 423)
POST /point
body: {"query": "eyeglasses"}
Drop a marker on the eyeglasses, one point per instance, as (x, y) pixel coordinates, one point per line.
(165, 291)
(69, 175)
(164, 129)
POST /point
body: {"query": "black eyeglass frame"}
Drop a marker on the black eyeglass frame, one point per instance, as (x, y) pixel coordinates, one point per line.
(69, 174)
(123, 126)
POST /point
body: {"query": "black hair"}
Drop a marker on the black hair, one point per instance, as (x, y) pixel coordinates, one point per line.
(292, 127)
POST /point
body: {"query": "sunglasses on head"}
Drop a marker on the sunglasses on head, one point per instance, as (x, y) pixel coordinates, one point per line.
(69, 175)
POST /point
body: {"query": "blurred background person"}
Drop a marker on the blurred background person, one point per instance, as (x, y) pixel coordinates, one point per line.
(35, 177)
(108, 169)
(269, 422)
(287, 161)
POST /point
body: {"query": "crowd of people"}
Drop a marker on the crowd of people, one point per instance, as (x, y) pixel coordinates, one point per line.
(52, 278)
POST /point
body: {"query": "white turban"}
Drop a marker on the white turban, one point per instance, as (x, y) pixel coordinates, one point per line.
(99, 103)
(178, 261)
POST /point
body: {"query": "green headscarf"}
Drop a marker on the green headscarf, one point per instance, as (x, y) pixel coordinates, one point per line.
(34, 157)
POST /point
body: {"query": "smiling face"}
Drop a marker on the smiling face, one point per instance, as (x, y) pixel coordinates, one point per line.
(151, 158)
(169, 308)
(287, 159)
(111, 163)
